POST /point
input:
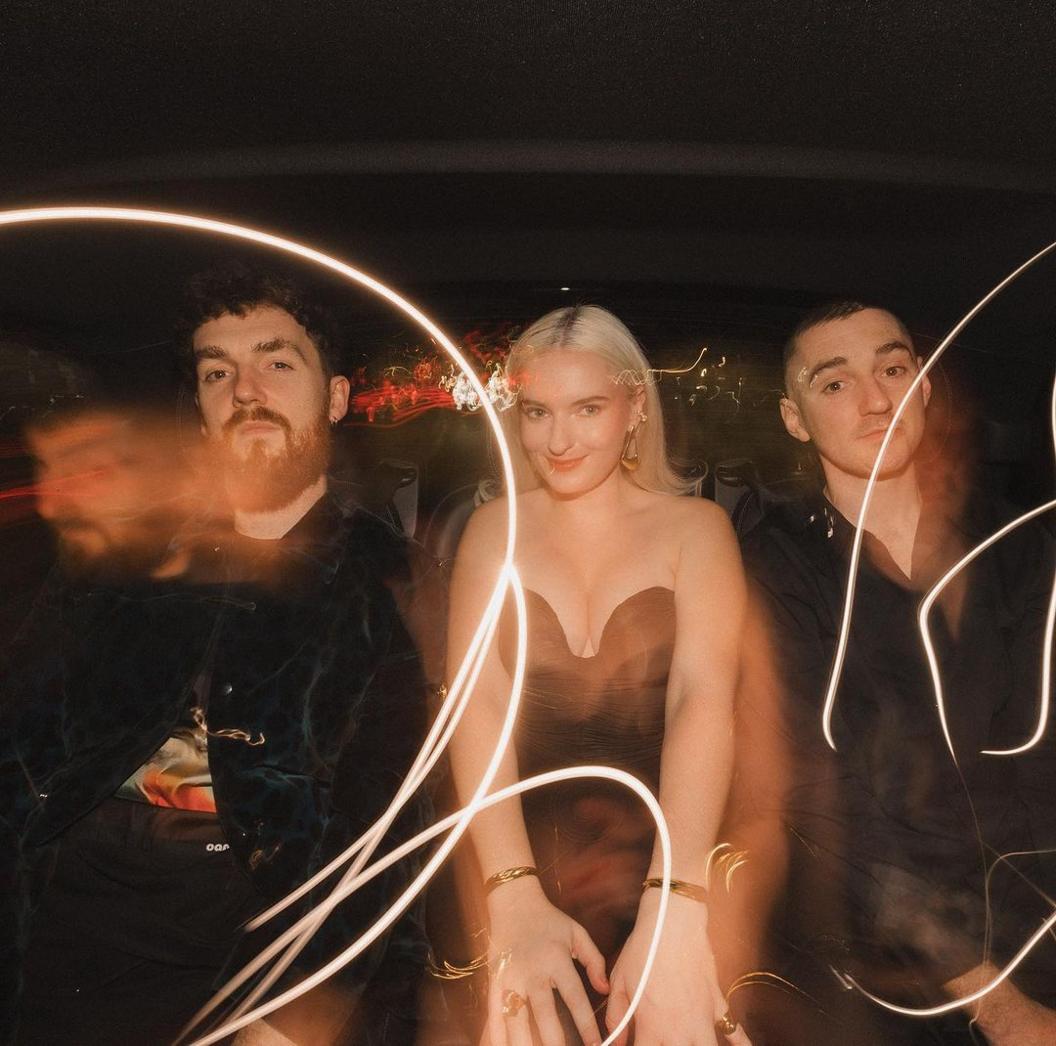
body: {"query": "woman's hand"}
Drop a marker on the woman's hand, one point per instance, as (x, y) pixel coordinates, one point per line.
(533, 951)
(682, 1000)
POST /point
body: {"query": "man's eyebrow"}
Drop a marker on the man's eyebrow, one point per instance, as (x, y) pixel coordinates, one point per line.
(818, 368)
(217, 352)
(893, 346)
(278, 345)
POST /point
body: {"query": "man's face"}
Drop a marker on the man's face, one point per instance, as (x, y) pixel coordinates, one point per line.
(845, 381)
(112, 488)
(266, 404)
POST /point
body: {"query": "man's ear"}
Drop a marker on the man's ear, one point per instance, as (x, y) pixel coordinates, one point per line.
(925, 385)
(339, 389)
(793, 420)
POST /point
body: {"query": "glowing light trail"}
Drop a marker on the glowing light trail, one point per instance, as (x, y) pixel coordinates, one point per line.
(451, 822)
(965, 1000)
(1046, 645)
(929, 649)
(461, 689)
(1050, 623)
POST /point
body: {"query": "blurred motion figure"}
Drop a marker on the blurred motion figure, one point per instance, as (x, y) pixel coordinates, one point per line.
(116, 489)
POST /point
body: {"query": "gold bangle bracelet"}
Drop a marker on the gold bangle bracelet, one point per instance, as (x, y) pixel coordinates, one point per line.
(443, 970)
(690, 890)
(507, 875)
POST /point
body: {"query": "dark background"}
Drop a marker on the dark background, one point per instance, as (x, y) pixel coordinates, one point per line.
(706, 170)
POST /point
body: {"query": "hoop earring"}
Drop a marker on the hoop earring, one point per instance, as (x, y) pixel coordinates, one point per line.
(629, 459)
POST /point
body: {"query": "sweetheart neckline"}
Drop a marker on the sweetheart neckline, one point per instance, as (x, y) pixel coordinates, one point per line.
(608, 621)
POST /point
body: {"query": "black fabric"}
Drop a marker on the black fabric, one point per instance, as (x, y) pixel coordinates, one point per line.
(316, 706)
(138, 919)
(889, 839)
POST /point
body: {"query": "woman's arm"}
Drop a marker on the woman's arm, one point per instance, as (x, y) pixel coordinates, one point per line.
(682, 999)
(531, 943)
(696, 762)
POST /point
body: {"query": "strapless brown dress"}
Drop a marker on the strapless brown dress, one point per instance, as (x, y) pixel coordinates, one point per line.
(593, 839)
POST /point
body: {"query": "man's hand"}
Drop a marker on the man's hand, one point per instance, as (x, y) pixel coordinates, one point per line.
(1005, 1015)
(1018, 1021)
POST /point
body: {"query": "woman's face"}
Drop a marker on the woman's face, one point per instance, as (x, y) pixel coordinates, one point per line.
(574, 419)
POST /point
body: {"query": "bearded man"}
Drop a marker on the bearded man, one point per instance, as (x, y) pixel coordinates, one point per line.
(200, 741)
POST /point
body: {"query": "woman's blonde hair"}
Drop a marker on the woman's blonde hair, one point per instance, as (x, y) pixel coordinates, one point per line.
(589, 328)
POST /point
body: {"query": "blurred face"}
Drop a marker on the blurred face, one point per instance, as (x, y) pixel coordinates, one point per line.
(266, 404)
(574, 419)
(111, 490)
(845, 381)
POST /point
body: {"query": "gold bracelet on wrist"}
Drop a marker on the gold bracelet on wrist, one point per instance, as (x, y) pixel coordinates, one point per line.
(507, 875)
(690, 890)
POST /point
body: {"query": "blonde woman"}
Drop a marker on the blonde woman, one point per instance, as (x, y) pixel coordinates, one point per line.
(635, 602)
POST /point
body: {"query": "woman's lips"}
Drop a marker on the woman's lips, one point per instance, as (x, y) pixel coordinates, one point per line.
(563, 464)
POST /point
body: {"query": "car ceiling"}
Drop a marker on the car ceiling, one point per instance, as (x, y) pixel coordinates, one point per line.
(897, 152)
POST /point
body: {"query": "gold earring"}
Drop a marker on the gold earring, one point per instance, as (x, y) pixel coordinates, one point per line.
(629, 458)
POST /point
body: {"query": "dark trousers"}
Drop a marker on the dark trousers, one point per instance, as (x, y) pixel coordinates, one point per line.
(140, 912)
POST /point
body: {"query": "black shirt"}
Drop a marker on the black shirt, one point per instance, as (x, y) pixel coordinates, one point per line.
(891, 838)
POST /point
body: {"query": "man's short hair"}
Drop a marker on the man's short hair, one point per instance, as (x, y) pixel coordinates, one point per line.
(235, 288)
(827, 312)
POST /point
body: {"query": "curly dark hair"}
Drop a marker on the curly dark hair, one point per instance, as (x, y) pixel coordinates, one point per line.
(234, 287)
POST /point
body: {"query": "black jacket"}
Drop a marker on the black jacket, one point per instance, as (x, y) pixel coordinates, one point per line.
(316, 704)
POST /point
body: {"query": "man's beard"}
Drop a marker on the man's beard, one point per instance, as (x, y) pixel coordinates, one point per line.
(263, 480)
(134, 553)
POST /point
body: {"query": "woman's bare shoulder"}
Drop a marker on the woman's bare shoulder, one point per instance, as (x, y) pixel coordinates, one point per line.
(691, 516)
(703, 530)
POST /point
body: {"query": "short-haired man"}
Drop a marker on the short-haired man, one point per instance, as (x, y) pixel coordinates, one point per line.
(891, 839)
(204, 743)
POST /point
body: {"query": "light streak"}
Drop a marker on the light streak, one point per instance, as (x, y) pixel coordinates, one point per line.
(929, 649)
(630, 376)
(1050, 622)
(1046, 647)
(964, 1000)
(859, 529)
(451, 823)
(461, 688)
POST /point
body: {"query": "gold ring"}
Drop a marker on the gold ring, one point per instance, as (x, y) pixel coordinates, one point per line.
(511, 1003)
(726, 1025)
